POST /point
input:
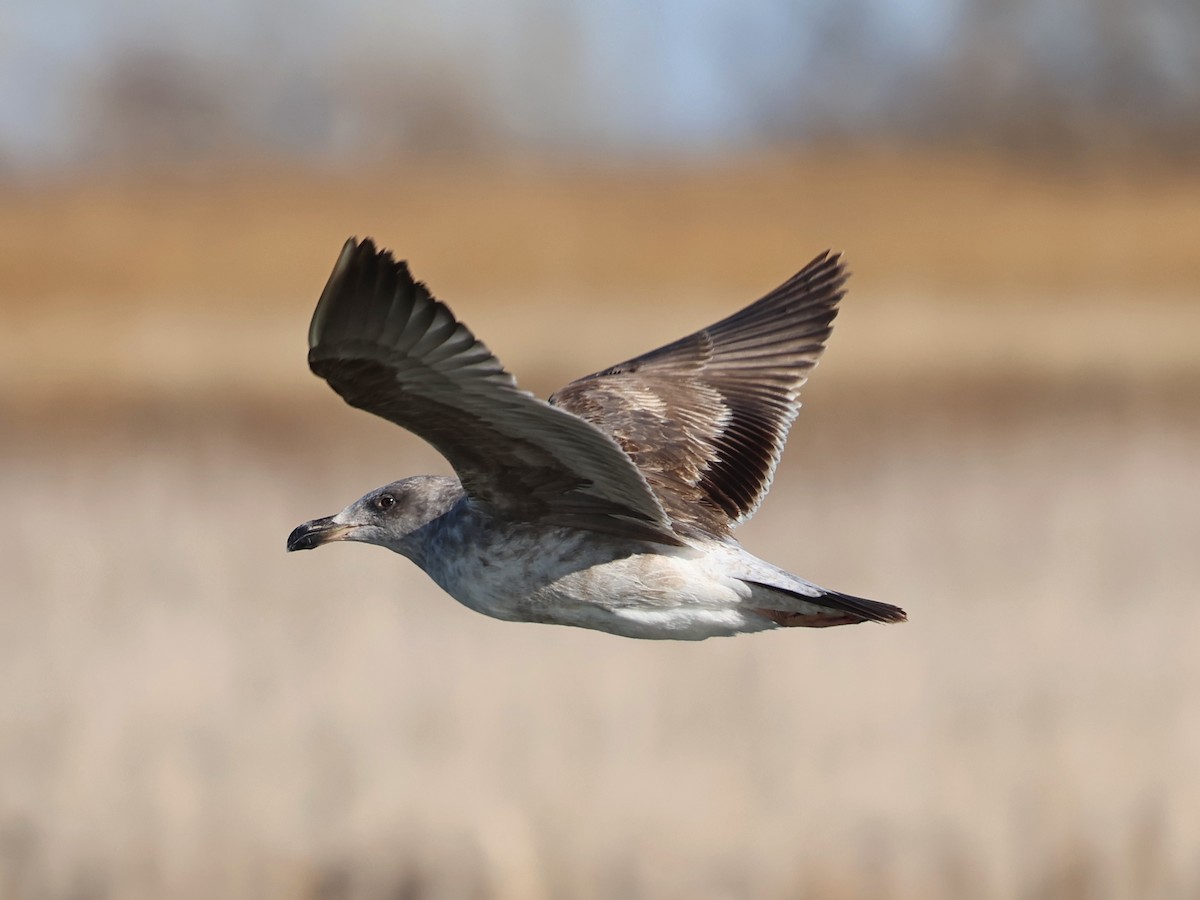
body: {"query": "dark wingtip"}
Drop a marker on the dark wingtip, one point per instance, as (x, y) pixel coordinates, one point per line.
(362, 274)
(838, 260)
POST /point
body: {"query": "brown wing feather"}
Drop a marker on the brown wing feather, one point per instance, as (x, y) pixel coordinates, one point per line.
(705, 418)
(387, 346)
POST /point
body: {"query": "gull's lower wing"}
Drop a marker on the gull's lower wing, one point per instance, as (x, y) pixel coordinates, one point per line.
(383, 342)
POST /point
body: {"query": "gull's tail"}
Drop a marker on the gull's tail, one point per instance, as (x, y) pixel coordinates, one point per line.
(790, 608)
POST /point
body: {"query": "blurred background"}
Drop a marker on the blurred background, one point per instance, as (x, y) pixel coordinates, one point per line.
(1004, 438)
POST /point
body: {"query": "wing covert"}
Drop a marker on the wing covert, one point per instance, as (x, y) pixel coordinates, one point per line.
(705, 418)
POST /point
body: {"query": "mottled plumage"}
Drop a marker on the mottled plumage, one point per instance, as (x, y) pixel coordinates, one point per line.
(609, 507)
(705, 418)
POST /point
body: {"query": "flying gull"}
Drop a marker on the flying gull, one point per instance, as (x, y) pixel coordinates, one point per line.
(611, 506)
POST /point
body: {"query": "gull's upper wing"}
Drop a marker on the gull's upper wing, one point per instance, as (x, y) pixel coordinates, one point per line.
(705, 418)
(387, 346)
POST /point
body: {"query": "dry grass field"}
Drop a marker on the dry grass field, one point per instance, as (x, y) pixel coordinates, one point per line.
(1004, 439)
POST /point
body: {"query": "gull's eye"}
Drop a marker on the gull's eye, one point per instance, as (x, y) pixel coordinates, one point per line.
(384, 502)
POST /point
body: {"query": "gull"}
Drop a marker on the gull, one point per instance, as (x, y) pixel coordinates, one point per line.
(611, 506)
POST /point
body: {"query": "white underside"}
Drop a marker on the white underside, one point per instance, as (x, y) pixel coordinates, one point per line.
(673, 594)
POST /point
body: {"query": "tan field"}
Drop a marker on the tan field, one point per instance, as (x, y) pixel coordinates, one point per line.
(1004, 438)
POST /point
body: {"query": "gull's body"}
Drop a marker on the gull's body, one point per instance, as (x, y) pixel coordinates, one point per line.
(612, 506)
(526, 572)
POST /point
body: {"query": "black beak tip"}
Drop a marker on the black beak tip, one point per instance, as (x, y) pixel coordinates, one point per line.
(299, 539)
(308, 535)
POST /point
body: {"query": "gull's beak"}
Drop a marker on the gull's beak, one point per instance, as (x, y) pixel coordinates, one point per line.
(313, 534)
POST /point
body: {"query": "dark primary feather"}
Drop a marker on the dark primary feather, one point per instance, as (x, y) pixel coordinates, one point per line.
(387, 346)
(705, 418)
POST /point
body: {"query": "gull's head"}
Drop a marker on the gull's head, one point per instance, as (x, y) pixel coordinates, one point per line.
(388, 516)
